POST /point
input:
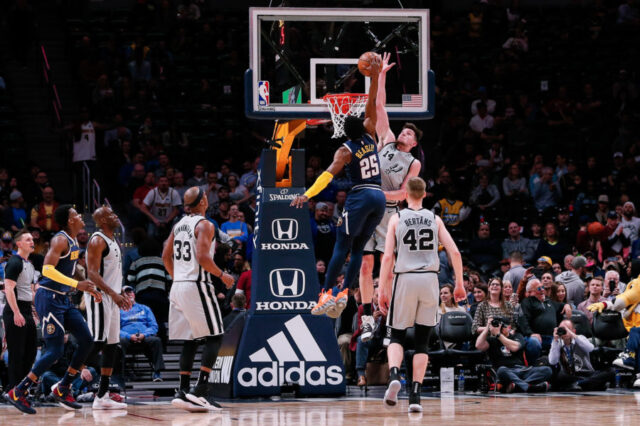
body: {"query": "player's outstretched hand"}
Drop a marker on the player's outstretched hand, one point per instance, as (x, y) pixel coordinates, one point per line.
(375, 65)
(122, 301)
(383, 301)
(227, 279)
(459, 293)
(386, 66)
(299, 201)
(90, 288)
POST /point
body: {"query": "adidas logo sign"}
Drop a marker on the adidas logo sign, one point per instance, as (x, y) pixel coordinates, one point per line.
(287, 364)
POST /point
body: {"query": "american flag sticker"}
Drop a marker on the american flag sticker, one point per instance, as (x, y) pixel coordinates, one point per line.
(263, 93)
(411, 100)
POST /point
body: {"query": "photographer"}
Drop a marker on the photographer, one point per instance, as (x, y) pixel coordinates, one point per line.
(612, 284)
(570, 352)
(595, 296)
(505, 349)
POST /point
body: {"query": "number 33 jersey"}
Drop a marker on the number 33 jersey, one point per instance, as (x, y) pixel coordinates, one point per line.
(364, 167)
(417, 242)
(185, 262)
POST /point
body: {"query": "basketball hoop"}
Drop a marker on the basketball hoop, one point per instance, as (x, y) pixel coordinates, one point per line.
(342, 105)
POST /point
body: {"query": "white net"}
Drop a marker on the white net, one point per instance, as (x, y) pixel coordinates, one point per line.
(342, 105)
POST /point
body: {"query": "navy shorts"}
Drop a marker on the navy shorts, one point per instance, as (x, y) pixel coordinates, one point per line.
(363, 211)
(57, 314)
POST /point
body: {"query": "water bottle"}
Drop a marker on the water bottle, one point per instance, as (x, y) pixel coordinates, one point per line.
(618, 377)
(403, 382)
(461, 382)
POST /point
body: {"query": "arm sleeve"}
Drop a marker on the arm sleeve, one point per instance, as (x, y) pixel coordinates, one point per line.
(13, 268)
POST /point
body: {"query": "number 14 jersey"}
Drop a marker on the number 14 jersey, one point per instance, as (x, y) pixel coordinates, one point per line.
(185, 262)
(417, 242)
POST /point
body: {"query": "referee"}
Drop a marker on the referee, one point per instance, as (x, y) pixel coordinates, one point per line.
(20, 329)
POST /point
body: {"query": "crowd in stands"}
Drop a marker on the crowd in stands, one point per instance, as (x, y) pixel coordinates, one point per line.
(532, 161)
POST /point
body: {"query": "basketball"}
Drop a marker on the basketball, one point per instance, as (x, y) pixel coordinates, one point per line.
(595, 229)
(364, 62)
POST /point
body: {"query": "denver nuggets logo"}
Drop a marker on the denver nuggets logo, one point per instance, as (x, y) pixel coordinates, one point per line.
(51, 328)
(75, 255)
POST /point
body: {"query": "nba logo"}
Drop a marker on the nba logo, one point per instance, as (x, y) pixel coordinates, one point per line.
(263, 93)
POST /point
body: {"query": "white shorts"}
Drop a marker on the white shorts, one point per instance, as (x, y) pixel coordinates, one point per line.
(193, 311)
(377, 240)
(414, 300)
(103, 319)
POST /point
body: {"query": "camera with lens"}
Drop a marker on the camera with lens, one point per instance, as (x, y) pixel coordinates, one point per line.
(561, 331)
(612, 285)
(496, 323)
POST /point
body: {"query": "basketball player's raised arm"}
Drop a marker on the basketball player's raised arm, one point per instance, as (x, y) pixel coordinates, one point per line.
(386, 267)
(59, 245)
(205, 233)
(340, 158)
(94, 256)
(370, 116)
(385, 135)
(456, 259)
(401, 194)
(167, 254)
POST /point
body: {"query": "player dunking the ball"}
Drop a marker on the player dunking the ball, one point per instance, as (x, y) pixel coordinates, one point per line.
(413, 236)
(104, 267)
(194, 313)
(365, 202)
(397, 166)
(58, 314)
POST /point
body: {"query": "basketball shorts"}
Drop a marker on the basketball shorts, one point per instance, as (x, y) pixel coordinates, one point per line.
(414, 300)
(362, 212)
(377, 240)
(193, 311)
(103, 319)
(58, 315)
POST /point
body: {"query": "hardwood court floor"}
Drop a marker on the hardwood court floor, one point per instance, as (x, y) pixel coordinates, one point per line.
(596, 408)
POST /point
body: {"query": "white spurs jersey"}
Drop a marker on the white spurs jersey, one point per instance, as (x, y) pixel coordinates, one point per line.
(395, 165)
(185, 262)
(111, 263)
(417, 242)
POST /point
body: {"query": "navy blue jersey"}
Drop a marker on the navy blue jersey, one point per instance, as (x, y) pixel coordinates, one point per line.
(364, 168)
(66, 265)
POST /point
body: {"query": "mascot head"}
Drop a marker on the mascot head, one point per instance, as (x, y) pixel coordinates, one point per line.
(631, 294)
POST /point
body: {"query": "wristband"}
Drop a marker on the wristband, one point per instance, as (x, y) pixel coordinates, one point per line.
(321, 183)
(49, 271)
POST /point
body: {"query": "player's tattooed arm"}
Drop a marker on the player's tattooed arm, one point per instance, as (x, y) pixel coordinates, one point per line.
(370, 115)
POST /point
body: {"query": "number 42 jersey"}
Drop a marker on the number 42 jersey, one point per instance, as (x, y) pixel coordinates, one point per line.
(416, 242)
(185, 262)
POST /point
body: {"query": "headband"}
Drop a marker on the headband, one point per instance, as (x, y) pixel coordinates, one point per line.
(198, 198)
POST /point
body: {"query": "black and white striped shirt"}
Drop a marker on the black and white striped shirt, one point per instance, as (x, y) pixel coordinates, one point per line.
(148, 272)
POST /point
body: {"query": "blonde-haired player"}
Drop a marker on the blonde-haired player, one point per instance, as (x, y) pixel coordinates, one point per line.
(411, 251)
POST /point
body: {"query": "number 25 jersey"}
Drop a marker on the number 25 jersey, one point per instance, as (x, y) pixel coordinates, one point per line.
(417, 242)
(364, 167)
(185, 262)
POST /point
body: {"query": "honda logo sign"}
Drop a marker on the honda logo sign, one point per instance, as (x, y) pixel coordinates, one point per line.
(287, 282)
(284, 229)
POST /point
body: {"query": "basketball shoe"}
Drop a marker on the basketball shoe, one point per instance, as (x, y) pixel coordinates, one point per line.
(414, 398)
(180, 401)
(62, 395)
(325, 303)
(107, 403)
(199, 396)
(367, 328)
(626, 359)
(391, 394)
(19, 401)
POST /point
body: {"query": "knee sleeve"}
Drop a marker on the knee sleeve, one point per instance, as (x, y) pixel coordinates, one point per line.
(109, 356)
(398, 336)
(421, 339)
(211, 347)
(85, 344)
(95, 350)
(187, 355)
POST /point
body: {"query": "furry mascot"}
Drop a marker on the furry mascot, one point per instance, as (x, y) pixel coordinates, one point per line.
(629, 304)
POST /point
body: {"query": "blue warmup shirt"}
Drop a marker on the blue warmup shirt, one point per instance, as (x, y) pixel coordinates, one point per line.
(364, 168)
(66, 266)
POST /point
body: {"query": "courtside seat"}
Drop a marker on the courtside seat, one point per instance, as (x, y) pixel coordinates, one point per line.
(455, 327)
(581, 323)
(606, 327)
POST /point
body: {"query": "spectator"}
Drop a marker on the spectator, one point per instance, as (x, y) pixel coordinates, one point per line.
(198, 178)
(250, 178)
(572, 280)
(15, 217)
(485, 252)
(505, 348)
(338, 207)
(42, 213)
(452, 210)
(559, 294)
(612, 284)
(595, 296)
(141, 193)
(570, 354)
(551, 246)
(481, 120)
(138, 235)
(447, 304)
(484, 195)
(151, 282)
(538, 320)
(546, 193)
(514, 185)
(6, 250)
(234, 227)
(238, 303)
(83, 239)
(603, 208)
(547, 282)
(323, 232)
(494, 306)
(178, 184)
(544, 264)
(630, 222)
(244, 287)
(480, 294)
(614, 238)
(363, 349)
(516, 242)
(138, 328)
(516, 270)
(567, 232)
(161, 206)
